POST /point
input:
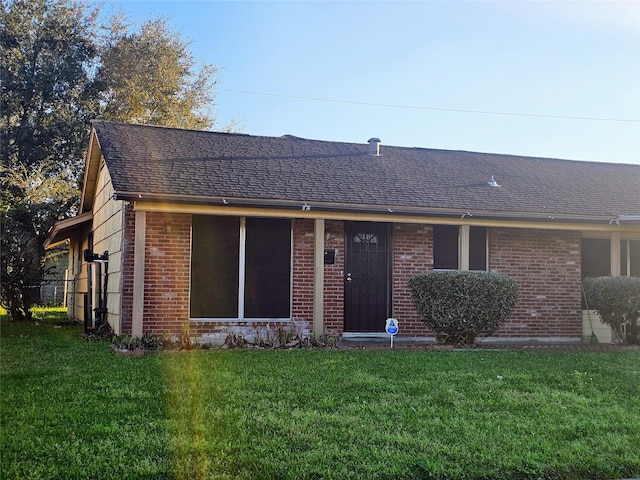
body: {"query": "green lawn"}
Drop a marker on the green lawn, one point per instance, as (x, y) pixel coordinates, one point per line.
(75, 409)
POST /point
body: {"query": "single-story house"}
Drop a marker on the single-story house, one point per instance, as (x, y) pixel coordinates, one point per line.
(233, 233)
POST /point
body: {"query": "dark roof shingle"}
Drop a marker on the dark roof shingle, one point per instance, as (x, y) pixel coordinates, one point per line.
(166, 161)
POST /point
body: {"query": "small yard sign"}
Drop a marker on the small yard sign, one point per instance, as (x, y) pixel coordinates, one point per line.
(391, 328)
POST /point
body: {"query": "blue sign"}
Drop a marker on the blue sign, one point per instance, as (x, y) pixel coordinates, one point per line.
(392, 326)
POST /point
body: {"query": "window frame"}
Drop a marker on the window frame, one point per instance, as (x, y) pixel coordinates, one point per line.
(596, 245)
(242, 239)
(464, 247)
(621, 260)
(629, 257)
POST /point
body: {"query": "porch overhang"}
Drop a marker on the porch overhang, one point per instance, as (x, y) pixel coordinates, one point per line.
(65, 229)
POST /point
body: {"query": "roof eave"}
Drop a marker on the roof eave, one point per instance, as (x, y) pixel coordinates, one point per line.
(92, 163)
(362, 208)
(64, 229)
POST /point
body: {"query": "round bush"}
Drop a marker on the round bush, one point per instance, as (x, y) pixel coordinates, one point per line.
(617, 300)
(460, 306)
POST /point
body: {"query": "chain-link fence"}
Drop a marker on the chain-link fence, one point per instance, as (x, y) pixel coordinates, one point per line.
(52, 292)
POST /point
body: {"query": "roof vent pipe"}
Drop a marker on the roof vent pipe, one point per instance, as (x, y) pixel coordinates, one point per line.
(374, 147)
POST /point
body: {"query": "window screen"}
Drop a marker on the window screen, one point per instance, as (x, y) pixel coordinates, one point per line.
(596, 257)
(214, 267)
(477, 248)
(445, 247)
(630, 258)
(268, 268)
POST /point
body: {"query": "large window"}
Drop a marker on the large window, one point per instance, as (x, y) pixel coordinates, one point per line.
(477, 248)
(268, 268)
(240, 268)
(596, 257)
(447, 246)
(214, 267)
(630, 258)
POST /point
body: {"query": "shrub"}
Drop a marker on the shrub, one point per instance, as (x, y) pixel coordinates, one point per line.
(460, 306)
(280, 338)
(617, 300)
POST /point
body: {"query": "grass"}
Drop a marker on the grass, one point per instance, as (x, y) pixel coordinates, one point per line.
(74, 409)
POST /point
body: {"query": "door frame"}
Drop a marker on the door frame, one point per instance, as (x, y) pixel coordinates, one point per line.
(349, 229)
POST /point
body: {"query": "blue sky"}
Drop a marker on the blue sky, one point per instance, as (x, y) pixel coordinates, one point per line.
(414, 73)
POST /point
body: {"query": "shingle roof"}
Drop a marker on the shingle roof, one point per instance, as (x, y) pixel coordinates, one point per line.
(207, 165)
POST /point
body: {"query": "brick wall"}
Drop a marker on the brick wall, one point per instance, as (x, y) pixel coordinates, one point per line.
(167, 277)
(412, 255)
(167, 272)
(303, 261)
(546, 265)
(334, 279)
(126, 286)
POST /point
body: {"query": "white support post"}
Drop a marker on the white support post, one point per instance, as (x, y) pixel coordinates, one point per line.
(464, 247)
(615, 254)
(137, 319)
(66, 290)
(318, 278)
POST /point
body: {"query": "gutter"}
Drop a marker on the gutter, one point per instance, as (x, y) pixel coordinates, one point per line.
(626, 219)
(360, 208)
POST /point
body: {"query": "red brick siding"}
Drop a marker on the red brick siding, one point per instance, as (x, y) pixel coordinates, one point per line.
(303, 262)
(412, 255)
(334, 279)
(126, 287)
(167, 272)
(546, 265)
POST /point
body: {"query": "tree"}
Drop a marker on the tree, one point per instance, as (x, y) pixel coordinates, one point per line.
(48, 97)
(24, 218)
(58, 72)
(47, 92)
(150, 77)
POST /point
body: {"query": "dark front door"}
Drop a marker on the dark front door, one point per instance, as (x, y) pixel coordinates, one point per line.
(367, 283)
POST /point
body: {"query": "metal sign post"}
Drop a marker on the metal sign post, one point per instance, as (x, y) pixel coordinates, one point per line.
(391, 328)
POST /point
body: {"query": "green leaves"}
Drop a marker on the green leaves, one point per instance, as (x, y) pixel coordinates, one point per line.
(459, 306)
(59, 72)
(150, 77)
(617, 300)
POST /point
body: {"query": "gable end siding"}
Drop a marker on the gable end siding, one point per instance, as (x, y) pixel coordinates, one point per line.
(107, 236)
